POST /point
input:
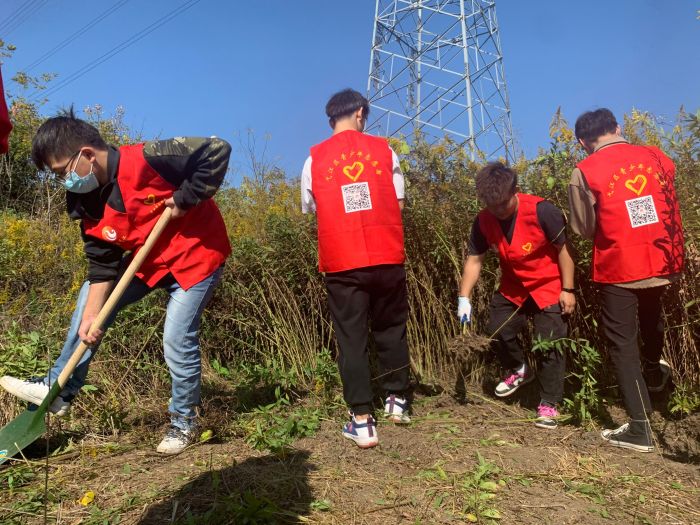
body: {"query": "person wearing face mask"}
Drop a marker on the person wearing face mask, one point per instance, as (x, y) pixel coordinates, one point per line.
(537, 280)
(118, 194)
(353, 182)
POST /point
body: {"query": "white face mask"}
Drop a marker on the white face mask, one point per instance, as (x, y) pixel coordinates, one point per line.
(77, 184)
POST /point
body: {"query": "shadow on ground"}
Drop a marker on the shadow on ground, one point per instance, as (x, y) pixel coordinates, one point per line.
(261, 490)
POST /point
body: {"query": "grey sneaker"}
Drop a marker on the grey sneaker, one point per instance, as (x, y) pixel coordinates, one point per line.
(396, 409)
(34, 391)
(176, 440)
(637, 437)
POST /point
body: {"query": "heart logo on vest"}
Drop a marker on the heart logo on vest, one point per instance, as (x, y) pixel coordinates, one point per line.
(527, 247)
(149, 200)
(353, 172)
(637, 184)
(109, 233)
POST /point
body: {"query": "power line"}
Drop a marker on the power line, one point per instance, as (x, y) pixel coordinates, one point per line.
(11, 26)
(114, 51)
(51, 52)
(15, 14)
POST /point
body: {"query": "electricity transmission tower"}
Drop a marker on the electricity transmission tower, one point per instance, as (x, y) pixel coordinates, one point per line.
(436, 66)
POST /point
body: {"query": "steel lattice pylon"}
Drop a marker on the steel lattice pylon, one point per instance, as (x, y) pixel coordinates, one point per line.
(437, 66)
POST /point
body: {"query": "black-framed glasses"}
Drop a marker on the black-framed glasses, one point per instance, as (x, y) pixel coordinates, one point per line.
(60, 173)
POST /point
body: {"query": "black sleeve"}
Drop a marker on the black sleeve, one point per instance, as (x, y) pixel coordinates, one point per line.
(104, 258)
(478, 245)
(196, 166)
(552, 222)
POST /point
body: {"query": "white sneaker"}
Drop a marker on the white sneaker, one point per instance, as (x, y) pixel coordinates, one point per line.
(34, 392)
(175, 441)
(363, 434)
(396, 410)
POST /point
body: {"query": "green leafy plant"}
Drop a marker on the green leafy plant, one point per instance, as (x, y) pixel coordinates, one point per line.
(22, 354)
(476, 490)
(480, 488)
(584, 404)
(244, 509)
(683, 401)
(276, 426)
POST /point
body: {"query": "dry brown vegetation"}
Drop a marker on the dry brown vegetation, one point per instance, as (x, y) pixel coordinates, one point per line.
(272, 397)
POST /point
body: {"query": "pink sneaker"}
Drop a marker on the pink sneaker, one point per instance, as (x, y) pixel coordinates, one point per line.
(512, 382)
(546, 417)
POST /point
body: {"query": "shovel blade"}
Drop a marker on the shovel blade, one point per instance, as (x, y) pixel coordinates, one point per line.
(25, 428)
(20, 432)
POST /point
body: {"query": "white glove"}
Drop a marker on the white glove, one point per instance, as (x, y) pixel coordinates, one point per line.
(464, 310)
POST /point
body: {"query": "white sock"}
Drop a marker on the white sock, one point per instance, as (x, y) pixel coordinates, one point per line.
(521, 370)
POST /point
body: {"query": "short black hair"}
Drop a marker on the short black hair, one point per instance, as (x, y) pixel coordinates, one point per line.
(345, 103)
(495, 182)
(594, 124)
(61, 136)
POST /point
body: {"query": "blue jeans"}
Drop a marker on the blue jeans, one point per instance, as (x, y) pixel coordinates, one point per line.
(180, 342)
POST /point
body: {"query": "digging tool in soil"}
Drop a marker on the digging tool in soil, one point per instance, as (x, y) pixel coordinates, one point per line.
(31, 424)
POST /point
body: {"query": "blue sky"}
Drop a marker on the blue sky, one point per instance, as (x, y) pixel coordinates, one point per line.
(224, 67)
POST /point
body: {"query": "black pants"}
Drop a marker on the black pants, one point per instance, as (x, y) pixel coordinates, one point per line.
(628, 312)
(375, 294)
(549, 325)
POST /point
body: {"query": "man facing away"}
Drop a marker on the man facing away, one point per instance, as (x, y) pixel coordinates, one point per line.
(118, 194)
(354, 183)
(622, 197)
(537, 279)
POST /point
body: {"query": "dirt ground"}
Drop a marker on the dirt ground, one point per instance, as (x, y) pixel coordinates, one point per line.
(479, 461)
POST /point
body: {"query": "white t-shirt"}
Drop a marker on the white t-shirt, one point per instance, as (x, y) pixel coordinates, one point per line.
(308, 204)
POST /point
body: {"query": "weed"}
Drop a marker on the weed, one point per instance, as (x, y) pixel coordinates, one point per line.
(29, 501)
(22, 354)
(246, 509)
(321, 505)
(276, 426)
(684, 401)
(480, 487)
(585, 403)
(15, 477)
(324, 373)
(594, 490)
(220, 369)
(475, 490)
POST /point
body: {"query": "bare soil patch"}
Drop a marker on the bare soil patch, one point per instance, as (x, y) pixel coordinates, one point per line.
(422, 473)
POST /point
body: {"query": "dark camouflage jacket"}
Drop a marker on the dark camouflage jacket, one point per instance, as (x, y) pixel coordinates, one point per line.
(195, 166)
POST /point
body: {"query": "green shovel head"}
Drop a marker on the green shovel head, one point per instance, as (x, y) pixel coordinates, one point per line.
(26, 428)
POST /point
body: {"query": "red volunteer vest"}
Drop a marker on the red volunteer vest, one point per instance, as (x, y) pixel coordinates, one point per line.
(5, 124)
(359, 220)
(529, 263)
(639, 233)
(190, 248)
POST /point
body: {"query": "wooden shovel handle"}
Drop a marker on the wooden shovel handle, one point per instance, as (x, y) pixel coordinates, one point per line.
(116, 294)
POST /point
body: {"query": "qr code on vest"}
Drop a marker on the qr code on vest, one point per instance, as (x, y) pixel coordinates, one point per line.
(356, 197)
(642, 211)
